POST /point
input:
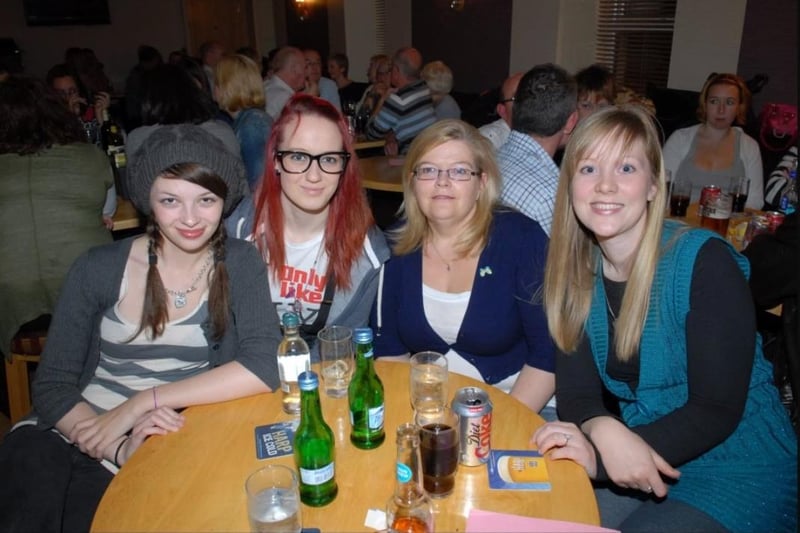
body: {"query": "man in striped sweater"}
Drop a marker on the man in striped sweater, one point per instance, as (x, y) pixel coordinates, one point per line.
(407, 109)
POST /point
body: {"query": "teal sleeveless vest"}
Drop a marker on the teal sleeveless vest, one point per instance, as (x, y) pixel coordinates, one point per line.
(749, 481)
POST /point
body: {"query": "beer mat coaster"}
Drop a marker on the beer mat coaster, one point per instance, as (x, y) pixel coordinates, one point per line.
(518, 470)
(275, 440)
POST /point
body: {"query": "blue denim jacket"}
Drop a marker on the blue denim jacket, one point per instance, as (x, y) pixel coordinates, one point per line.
(252, 127)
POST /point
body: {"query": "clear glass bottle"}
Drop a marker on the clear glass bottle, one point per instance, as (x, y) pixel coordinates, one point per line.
(293, 358)
(409, 510)
(314, 447)
(365, 396)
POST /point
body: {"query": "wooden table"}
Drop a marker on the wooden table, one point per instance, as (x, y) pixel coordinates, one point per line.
(126, 216)
(193, 480)
(362, 143)
(382, 173)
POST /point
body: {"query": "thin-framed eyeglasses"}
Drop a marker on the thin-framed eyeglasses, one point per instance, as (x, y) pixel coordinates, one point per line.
(296, 162)
(430, 173)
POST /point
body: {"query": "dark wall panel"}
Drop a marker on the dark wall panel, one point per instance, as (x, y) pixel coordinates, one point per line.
(769, 46)
(307, 27)
(474, 42)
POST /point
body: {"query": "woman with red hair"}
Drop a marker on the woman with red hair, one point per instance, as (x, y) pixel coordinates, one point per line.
(311, 220)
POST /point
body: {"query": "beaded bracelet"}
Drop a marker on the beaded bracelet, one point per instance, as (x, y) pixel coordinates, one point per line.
(119, 447)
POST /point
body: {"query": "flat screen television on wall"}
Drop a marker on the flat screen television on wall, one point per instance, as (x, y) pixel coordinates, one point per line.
(66, 12)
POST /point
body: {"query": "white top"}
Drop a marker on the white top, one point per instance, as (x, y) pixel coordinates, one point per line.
(497, 132)
(445, 312)
(277, 92)
(301, 286)
(679, 145)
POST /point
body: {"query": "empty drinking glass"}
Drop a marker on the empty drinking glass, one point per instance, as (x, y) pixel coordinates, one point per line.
(428, 381)
(273, 500)
(336, 354)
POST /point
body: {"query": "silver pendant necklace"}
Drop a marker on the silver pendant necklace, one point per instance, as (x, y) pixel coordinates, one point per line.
(441, 257)
(179, 297)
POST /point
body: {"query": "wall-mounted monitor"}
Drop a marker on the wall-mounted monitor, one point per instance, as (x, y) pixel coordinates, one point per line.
(66, 12)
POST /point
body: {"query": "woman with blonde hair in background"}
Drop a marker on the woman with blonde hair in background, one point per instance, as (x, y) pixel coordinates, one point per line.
(239, 91)
(663, 391)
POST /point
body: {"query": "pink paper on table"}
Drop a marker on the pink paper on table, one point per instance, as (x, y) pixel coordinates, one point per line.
(489, 522)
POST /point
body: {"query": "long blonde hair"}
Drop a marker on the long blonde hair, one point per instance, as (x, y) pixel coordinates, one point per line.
(414, 229)
(573, 259)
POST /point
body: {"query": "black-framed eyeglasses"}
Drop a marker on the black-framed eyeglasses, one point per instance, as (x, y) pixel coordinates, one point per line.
(296, 162)
(430, 173)
(507, 100)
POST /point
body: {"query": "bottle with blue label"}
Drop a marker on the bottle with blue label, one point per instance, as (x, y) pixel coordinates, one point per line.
(409, 509)
(314, 447)
(365, 396)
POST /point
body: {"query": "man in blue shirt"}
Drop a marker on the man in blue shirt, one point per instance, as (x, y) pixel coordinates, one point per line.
(543, 116)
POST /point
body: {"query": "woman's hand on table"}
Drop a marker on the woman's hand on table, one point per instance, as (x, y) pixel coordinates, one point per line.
(95, 434)
(565, 440)
(629, 461)
(156, 422)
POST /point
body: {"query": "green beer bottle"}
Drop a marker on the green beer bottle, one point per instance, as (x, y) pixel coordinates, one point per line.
(365, 395)
(314, 446)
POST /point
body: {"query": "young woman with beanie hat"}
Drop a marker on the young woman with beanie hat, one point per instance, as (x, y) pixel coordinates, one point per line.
(144, 327)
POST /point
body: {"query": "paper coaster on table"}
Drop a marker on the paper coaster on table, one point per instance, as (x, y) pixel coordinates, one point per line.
(275, 440)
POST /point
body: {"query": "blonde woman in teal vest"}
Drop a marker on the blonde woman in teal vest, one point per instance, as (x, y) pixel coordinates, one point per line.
(663, 392)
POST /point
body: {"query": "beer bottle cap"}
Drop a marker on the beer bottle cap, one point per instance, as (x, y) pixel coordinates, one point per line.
(362, 335)
(308, 380)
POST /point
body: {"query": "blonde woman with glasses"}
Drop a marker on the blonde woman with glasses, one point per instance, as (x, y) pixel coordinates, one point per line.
(465, 276)
(664, 393)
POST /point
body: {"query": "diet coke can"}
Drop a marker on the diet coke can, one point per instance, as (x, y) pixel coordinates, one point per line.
(474, 410)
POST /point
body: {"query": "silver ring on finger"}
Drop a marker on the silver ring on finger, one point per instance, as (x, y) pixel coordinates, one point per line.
(567, 436)
(649, 489)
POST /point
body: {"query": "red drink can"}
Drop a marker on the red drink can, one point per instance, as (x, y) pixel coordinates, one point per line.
(708, 195)
(774, 219)
(474, 410)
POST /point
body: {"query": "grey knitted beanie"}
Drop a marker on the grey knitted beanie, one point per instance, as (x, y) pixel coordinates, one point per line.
(183, 143)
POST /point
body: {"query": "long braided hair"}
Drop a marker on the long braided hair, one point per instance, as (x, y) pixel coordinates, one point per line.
(154, 311)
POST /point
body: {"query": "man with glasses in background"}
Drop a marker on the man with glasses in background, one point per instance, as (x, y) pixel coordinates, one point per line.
(498, 131)
(543, 116)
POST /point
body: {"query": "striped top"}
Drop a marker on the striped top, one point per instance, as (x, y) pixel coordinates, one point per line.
(126, 368)
(406, 112)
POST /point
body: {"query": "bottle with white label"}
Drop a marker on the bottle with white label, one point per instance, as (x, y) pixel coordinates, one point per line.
(314, 447)
(365, 396)
(293, 357)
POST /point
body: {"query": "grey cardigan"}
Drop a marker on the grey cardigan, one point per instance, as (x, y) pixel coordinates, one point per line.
(72, 352)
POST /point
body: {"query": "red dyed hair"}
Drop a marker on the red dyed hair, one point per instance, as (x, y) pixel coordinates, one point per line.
(349, 215)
